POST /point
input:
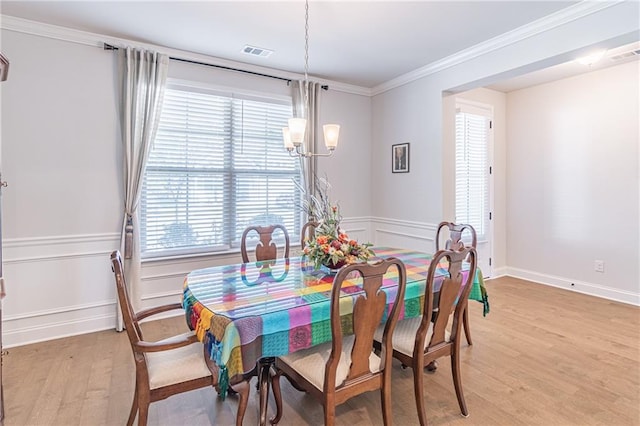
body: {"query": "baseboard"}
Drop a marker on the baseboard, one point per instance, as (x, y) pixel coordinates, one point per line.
(46, 328)
(499, 272)
(576, 286)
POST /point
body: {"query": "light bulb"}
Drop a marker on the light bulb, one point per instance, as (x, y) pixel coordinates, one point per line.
(297, 128)
(331, 134)
(286, 137)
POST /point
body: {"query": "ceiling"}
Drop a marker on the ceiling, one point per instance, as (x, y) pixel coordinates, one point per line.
(363, 43)
(615, 56)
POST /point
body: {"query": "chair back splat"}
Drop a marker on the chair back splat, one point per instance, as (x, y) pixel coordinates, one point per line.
(347, 366)
(455, 242)
(266, 249)
(307, 232)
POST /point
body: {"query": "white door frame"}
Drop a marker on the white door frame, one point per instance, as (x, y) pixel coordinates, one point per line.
(485, 246)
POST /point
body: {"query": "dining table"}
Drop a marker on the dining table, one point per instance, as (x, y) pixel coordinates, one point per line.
(247, 314)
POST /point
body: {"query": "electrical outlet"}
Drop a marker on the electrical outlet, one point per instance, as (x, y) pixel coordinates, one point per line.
(599, 265)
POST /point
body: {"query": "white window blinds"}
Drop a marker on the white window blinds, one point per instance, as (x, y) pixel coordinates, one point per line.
(472, 168)
(217, 166)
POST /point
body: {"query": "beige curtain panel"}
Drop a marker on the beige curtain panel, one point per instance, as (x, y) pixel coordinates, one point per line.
(143, 76)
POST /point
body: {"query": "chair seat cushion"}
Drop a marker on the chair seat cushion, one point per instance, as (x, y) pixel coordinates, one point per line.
(176, 365)
(310, 363)
(404, 335)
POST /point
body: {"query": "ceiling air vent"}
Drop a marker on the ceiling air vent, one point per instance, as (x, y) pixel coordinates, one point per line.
(626, 55)
(256, 51)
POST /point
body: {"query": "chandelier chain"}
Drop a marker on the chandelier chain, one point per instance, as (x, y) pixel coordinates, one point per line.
(306, 53)
(297, 135)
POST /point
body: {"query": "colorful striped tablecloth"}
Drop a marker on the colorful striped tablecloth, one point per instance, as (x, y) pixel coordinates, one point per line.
(245, 312)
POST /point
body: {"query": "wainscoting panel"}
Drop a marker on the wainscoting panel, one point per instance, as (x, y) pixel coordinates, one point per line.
(57, 287)
(162, 280)
(358, 228)
(405, 234)
(63, 286)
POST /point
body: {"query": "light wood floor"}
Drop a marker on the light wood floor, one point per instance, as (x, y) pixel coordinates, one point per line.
(543, 356)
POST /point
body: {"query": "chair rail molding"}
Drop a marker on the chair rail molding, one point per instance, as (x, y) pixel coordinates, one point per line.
(50, 248)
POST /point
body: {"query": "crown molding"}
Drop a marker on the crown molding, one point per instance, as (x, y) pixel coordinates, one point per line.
(12, 23)
(561, 17)
(549, 22)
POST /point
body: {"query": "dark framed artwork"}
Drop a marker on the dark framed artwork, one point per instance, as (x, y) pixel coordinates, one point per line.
(400, 158)
(4, 67)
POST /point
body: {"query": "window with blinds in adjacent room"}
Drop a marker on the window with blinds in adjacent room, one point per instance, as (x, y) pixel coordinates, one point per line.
(217, 165)
(472, 167)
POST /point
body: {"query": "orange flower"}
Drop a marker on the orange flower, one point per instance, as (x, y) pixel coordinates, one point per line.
(322, 239)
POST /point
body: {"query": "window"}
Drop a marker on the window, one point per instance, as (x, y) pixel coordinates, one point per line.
(216, 166)
(472, 167)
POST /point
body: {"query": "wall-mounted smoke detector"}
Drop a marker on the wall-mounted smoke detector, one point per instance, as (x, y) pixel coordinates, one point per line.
(256, 51)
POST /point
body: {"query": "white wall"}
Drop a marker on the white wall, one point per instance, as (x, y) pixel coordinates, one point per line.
(62, 158)
(61, 211)
(572, 182)
(412, 112)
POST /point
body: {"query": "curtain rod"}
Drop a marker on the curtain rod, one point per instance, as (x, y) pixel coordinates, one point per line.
(189, 61)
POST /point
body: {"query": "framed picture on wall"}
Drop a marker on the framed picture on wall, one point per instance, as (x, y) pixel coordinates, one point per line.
(4, 67)
(400, 158)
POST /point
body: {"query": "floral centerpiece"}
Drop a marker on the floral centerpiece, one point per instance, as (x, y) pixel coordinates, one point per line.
(331, 246)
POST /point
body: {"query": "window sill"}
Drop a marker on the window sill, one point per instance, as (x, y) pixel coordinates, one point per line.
(199, 255)
(193, 255)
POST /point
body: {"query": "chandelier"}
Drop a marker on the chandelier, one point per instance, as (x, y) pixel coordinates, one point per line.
(294, 135)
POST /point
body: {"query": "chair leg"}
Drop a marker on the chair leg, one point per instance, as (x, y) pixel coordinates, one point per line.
(143, 413)
(263, 381)
(385, 396)
(134, 407)
(277, 395)
(242, 389)
(457, 382)
(329, 414)
(419, 392)
(465, 322)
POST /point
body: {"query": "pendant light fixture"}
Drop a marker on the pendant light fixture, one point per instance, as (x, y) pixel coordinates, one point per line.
(294, 135)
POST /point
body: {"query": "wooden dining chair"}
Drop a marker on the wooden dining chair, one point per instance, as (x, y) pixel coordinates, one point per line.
(419, 341)
(266, 249)
(454, 242)
(307, 232)
(166, 367)
(334, 372)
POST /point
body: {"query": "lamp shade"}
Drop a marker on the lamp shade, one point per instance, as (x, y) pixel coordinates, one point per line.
(286, 137)
(297, 127)
(331, 134)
